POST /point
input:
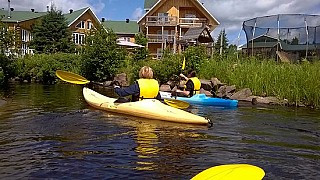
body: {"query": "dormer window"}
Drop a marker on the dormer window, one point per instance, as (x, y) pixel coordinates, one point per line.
(81, 25)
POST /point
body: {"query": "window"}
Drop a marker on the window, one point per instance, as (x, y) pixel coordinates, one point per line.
(81, 25)
(164, 17)
(25, 35)
(89, 25)
(78, 38)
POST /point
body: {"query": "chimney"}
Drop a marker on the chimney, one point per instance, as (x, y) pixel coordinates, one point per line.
(71, 11)
(32, 10)
(127, 20)
(47, 8)
(9, 13)
(102, 19)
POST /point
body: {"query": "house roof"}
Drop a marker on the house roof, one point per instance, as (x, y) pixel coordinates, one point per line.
(122, 27)
(149, 3)
(70, 18)
(20, 16)
(156, 5)
(202, 34)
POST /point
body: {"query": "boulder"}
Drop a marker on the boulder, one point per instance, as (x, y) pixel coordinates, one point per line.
(206, 84)
(207, 93)
(243, 94)
(165, 87)
(226, 91)
(2, 102)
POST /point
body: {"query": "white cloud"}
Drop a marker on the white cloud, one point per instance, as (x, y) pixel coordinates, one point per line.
(64, 5)
(232, 13)
(137, 14)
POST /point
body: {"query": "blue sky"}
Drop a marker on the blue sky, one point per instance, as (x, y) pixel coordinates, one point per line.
(230, 13)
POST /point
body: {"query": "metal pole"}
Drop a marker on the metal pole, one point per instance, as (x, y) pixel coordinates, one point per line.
(253, 33)
(238, 42)
(278, 38)
(305, 21)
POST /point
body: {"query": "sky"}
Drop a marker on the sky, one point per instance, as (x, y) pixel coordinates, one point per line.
(230, 13)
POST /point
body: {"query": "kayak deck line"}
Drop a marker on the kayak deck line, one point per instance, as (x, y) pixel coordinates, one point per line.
(202, 99)
(147, 108)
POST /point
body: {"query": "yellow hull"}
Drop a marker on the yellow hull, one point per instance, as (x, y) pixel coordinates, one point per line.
(148, 108)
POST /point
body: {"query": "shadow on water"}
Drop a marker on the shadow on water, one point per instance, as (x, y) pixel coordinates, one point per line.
(50, 132)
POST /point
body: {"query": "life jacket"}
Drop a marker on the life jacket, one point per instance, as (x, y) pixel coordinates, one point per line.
(149, 88)
(196, 85)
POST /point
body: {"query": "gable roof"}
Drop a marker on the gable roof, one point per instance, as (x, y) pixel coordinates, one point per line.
(72, 17)
(122, 27)
(148, 4)
(199, 34)
(20, 16)
(155, 6)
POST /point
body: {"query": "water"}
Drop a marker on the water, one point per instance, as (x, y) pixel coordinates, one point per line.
(50, 132)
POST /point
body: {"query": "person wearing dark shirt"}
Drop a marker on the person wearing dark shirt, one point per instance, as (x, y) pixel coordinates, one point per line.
(192, 86)
(144, 88)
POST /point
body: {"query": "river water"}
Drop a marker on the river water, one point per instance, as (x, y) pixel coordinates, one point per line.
(50, 132)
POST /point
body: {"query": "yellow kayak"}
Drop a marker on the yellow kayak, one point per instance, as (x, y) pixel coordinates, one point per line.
(147, 108)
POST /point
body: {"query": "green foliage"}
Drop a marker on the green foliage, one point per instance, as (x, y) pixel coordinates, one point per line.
(195, 55)
(51, 34)
(224, 39)
(295, 82)
(7, 68)
(6, 38)
(102, 56)
(42, 67)
(140, 53)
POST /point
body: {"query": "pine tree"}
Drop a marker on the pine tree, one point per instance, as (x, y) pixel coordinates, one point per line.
(217, 45)
(51, 34)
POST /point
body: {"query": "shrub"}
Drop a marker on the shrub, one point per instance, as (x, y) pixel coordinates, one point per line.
(42, 67)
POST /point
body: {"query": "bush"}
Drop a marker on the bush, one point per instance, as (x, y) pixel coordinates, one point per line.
(102, 56)
(195, 55)
(7, 68)
(42, 67)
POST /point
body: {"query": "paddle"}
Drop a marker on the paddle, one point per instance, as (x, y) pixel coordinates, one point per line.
(231, 172)
(77, 79)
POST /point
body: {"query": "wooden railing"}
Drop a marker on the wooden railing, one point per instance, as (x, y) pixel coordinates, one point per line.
(161, 21)
(158, 38)
(192, 22)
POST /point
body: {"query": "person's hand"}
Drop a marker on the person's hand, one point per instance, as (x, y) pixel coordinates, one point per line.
(116, 84)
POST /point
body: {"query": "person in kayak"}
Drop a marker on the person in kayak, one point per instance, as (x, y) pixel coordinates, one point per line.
(192, 86)
(144, 88)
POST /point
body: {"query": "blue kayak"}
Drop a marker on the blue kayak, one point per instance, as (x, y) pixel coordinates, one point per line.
(202, 99)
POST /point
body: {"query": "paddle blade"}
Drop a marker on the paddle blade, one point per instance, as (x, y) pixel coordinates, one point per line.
(231, 172)
(183, 64)
(177, 103)
(71, 77)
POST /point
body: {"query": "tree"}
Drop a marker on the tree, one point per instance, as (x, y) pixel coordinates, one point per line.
(51, 34)
(6, 38)
(102, 56)
(224, 43)
(141, 53)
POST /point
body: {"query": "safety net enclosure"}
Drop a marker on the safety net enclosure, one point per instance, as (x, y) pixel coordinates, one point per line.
(286, 37)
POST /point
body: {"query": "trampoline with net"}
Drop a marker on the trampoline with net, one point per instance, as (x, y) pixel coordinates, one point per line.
(285, 37)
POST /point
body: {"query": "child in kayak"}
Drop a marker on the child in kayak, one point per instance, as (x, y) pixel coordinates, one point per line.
(192, 86)
(144, 88)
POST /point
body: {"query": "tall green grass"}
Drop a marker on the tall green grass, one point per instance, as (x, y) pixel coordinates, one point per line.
(295, 82)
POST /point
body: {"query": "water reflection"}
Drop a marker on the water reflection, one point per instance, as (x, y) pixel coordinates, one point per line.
(50, 132)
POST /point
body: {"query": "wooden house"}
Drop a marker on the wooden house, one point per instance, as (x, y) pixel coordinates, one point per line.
(21, 22)
(173, 25)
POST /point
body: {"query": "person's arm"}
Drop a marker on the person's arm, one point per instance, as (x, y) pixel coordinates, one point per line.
(183, 76)
(131, 90)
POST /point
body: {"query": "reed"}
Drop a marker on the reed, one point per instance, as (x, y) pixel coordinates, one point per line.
(299, 83)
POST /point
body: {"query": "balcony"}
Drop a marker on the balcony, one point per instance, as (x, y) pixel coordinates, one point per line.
(158, 38)
(192, 22)
(161, 21)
